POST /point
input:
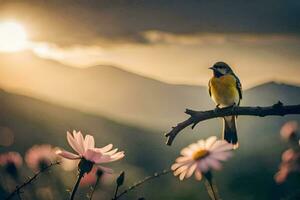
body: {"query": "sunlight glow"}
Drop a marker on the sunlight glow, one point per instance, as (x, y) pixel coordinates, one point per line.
(13, 37)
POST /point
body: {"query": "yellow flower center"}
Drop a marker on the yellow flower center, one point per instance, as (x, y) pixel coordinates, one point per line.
(202, 153)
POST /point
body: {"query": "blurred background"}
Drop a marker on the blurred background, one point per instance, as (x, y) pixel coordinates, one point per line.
(125, 70)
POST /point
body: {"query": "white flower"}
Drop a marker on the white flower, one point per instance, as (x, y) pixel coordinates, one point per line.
(202, 156)
(85, 148)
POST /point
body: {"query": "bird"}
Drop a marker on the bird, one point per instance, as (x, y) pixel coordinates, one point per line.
(225, 89)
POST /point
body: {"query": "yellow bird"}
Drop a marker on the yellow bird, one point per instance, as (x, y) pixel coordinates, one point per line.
(225, 89)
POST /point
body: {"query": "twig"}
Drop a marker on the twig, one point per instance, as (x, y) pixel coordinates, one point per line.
(19, 196)
(197, 116)
(30, 180)
(148, 178)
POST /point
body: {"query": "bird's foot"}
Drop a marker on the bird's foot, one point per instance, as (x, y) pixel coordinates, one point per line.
(232, 107)
(217, 108)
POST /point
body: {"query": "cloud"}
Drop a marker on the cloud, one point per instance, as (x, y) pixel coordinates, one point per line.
(159, 37)
(106, 22)
(171, 40)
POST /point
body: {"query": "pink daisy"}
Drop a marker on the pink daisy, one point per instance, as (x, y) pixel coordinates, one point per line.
(11, 158)
(11, 161)
(91, 178)
(85, 149)
(40, 156)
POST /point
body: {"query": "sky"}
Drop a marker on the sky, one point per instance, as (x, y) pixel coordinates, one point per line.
(174, 41)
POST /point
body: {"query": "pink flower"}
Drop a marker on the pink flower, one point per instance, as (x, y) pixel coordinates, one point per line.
(11, 158)
(11, 161)
(85, 149)
(91, 177)
(288, 155)
(282, 174)
(290, 163)
(200, 157)
(40, 156)
(289, 129)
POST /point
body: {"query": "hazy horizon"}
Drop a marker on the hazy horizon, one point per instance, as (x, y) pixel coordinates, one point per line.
(175, 45)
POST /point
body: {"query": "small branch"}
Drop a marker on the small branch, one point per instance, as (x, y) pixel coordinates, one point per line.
(148, 178)
(277, 109)
(17, 191)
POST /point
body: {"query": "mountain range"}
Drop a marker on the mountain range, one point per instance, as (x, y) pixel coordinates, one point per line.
(118, 94)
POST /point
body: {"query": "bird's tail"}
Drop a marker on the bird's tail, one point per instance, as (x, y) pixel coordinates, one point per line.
(229, 131)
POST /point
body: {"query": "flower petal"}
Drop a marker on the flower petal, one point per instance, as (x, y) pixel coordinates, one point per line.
(210, 141)
(198, 175)
(176, 166)
(218, 144)
(191, 170)
(213, 163)
(180, 170)
(182, 175)
(103, 159)
(201, 144)
(92, 155)
(67, 155)
(106, 148)
(112, 152)
(80, 141)
(183, 159)
(186, 151)
(193, 146)
(89, 142)
(202, 165)
(117, 156)
(73, 143)
(224, 147)
(221, 155)
(106, 169)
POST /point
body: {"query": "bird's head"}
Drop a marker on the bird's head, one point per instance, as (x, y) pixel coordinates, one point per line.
(221, 69)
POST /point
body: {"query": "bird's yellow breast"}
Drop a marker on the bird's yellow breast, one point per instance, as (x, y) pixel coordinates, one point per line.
(223, 90)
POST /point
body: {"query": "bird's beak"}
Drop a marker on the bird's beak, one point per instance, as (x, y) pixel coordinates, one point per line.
(212, 68)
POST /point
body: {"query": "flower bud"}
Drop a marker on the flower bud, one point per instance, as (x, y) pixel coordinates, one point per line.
(120, 179)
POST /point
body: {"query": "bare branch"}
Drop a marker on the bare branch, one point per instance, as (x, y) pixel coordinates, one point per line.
(197, 116)
(30, 180)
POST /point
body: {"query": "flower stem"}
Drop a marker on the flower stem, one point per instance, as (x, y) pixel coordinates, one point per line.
(80, 175)
(148, 178)
(211, 186)
(94, 188)
(116, 193)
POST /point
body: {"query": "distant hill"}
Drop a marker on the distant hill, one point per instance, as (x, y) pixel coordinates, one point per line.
(271, 92)
(35, 122)
(104, 90)
(118, 94)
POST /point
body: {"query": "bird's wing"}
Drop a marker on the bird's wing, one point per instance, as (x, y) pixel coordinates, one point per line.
(239, 86)
(209, 89)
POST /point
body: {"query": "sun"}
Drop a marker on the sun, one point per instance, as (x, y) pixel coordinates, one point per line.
(13, 37)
